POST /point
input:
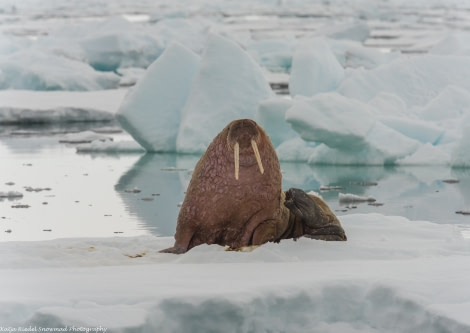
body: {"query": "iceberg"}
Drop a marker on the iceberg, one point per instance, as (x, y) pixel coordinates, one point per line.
(315, 69)
(229, 85)
(332, 119)
(151, 112)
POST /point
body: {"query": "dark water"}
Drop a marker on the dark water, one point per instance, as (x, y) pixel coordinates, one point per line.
(70, 194)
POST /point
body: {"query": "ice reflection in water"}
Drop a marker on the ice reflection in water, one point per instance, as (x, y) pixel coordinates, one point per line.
(418, 193)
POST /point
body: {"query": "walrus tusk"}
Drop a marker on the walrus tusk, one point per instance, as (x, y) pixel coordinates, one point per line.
(236, 157)
(258, 158)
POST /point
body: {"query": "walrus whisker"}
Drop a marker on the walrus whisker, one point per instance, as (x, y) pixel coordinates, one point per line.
(236, 157)
(258, 157)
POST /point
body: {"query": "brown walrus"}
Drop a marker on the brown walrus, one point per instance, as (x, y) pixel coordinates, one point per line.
(235, 197)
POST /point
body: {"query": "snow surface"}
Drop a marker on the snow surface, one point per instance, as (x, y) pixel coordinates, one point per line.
(392, 275)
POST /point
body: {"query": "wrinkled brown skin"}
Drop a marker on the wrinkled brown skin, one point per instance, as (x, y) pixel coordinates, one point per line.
(219, 209)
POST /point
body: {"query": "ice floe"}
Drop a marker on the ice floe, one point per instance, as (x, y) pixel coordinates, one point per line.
(389, 265)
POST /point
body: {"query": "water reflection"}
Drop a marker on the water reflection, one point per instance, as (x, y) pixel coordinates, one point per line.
(417, 193)
(153, 188)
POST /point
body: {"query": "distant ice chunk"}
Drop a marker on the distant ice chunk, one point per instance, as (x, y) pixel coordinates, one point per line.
(416, 80)
(332, 119)
(228, 86)
(110, 147)
(314, 69)
(271, 115)
(354, 55)
(113, 43)
(273, 54)
(354, 30)
(151, 111)
(35, 70)
(83, 137)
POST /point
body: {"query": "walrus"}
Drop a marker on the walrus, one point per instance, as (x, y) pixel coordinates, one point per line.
(235, 197)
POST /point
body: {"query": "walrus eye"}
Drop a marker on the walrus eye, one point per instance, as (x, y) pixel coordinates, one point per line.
(258, 157)
(236, 157)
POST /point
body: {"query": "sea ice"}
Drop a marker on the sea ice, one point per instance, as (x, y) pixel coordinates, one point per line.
(36, 70)
(332, 119)
(416, 80)
(389, 265)
(151, 112)
(271, 115)
(26, 106)
(214, 103)
(315, 69)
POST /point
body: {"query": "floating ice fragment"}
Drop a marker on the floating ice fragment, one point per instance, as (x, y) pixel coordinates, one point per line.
(11, 194)
(348, 198)
(331, 188)
(84, 137)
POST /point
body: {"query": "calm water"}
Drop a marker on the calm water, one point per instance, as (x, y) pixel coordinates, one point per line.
(70, 194)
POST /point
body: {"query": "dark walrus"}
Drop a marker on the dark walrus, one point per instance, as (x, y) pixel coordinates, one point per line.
(235, 197)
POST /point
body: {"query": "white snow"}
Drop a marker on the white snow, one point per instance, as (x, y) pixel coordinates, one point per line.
(391, 275)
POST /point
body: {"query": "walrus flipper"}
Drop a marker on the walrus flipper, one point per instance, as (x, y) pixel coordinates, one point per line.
(318, 220)
(174, 250)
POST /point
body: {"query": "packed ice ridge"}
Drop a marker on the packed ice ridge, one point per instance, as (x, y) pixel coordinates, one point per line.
(372, 116)
(377, 108)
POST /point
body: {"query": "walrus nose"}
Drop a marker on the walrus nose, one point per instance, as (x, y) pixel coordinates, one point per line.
(236, 157)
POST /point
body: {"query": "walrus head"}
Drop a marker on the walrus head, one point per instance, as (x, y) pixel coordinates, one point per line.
(243, 138)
